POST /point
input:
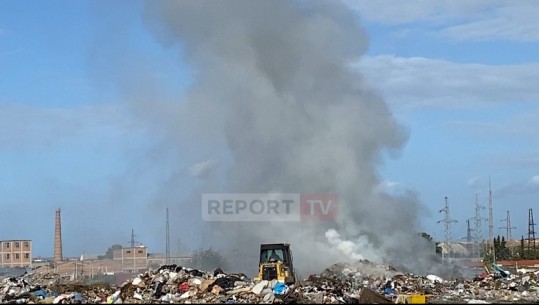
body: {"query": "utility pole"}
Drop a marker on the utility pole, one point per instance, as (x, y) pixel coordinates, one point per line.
(507, 227)
(447, 222)
(167, 254)
(531, 235)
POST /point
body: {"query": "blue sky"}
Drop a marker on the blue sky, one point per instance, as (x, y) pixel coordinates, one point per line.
(460, 76)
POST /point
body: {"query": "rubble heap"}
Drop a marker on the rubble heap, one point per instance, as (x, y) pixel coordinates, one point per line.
(362, 282)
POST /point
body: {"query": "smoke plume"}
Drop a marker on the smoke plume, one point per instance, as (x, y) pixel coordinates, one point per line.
(276, 99)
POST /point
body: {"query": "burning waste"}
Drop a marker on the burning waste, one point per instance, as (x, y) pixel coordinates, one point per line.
(277, 99)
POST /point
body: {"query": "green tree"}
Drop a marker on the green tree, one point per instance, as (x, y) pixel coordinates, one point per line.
(500, 248)
(504, 250)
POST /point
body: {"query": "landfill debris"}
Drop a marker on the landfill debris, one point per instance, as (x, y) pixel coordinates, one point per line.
(361, 282)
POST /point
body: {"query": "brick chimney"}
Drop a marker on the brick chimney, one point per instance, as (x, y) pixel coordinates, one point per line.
(58, 238)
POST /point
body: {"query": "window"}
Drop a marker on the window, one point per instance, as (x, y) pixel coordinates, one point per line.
(7, 256)
(7, 244)
(26, 255)
(16, 244)
(17, 256)
(139, 251)
(271, 254)
(128, 251)
(26, 244)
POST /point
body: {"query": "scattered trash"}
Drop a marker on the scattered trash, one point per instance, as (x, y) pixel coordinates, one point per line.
(280, 289)
(361, 282)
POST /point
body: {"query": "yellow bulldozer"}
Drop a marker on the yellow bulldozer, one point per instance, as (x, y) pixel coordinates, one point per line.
(276, 263)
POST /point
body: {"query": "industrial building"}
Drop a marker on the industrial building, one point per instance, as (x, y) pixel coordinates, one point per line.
(15, 253)
(133, 259)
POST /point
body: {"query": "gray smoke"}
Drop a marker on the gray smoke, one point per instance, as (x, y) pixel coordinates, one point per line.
(275, 89)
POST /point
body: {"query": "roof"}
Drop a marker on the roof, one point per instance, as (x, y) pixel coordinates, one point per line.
(271, 246)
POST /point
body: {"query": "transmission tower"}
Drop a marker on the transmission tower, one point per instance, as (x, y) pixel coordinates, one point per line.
(478, 219)
(491, 222)
(167, 254)
(531, 235)
(507, 227)
(490, 216)
(132, 241)
(469, 231)
(447, 222)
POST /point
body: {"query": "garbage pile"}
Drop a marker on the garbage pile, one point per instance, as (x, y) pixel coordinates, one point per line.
(361, 282)
(50, 289)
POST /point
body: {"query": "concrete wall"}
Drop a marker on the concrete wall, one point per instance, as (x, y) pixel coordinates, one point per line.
(132, 259)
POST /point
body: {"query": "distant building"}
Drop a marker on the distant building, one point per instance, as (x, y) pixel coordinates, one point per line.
(15, 253)
(133, 259)
(77, 269)
(156, 260)
(457, 249)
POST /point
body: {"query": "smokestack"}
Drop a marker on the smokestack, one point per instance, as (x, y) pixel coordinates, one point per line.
(58, 238)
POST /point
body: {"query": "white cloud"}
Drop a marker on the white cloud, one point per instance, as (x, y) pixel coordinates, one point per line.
(474, 182)
(393, 12)
(424, 82)
(535, 180)
(518, 188)
(524, 124)
(202, 168)
(390, 187)
(515, 22)
(459, 20)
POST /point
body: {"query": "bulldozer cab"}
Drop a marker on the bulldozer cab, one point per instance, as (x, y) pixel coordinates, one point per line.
(276, 263)
(271, 255)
